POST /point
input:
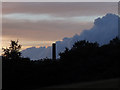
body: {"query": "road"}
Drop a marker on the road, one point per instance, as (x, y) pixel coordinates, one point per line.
(111, 83)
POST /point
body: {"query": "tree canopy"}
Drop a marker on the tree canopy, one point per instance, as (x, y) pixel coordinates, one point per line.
(13, 51)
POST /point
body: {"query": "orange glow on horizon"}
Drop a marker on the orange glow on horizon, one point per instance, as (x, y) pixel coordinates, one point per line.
(26, 43)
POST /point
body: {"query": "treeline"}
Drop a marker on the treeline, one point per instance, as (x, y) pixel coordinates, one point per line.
(85, 61)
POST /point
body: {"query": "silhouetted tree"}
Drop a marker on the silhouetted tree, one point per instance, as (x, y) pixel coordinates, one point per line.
(115, 41)
(80, 50)
(13, 52)
(85, 44)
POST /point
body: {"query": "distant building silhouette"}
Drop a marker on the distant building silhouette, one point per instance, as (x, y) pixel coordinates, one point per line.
(54, 51)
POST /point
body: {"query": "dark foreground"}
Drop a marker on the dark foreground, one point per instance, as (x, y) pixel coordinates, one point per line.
(85, 62)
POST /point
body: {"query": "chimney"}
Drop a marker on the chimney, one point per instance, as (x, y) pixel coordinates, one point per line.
(54, 51)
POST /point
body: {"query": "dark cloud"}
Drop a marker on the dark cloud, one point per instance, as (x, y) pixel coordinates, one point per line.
(104, 30)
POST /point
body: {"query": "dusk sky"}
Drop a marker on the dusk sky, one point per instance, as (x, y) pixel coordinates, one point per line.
(40, 24)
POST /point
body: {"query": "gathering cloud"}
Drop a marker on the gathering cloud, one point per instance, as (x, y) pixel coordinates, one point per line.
(104, 30)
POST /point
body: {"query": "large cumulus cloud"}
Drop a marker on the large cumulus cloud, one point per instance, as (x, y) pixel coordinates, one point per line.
(104, 29)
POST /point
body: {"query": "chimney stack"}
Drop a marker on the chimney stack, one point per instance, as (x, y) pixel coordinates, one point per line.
(54, 51)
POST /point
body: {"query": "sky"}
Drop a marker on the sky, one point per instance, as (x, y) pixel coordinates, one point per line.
(60, 0)
(42, 23)
(104, 29)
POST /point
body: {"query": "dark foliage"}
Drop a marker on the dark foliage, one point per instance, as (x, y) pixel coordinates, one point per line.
(12, 52)
(80, 50)
(86, 61)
